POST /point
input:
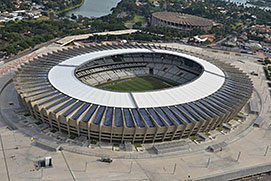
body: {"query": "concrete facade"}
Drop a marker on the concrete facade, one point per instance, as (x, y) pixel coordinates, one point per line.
(64, 113)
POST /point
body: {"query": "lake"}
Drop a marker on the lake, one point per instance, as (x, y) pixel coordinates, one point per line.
(98, 8)
(94, 8)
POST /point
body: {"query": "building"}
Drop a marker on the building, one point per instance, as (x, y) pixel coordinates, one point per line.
(183, 22)
(217, 147)
(59, 89)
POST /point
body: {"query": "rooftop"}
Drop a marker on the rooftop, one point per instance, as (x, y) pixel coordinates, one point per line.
(180, 18)
(62, 78)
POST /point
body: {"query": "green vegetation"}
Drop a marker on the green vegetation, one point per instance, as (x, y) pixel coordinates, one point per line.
(207, 134)
(116, 145)
(59, 5)
(74, 6)
(193, 138)
(233, 21)
(93, 142)
(267, 74)
(236, 119)
(228, 124)
(262, 3)
(7, 5)
(138, 145)
(219, 129)
(18, 36)
(151, 1)
(143, 83)
(138, 18)
(53, 130)
(72, 137)
(267, 61)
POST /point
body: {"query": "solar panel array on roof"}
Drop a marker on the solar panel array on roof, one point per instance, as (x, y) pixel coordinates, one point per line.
(108, 117)
(193, 111)
(118, 117)
(214, 105)
(44, 92)
(176, 111)
(138, 119)
(80, 111)
(58, 102)
(164, 116)
(188, 113)
(36, 90)
(218, 101)
(226, 99)
(128, 118)
(50, 100)
(209, 105)
(65, 105)
(39, 82)
(42, 85)
(99, 115)
(49, 95)
(146, 117)
(209, 111)
(198, 109)
(141, 110)
(90, 113)
(73, 108)
(156, 117)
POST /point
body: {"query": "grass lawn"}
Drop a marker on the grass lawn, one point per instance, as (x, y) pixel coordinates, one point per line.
(41, 18)
(138, 18)
(143, 83)
(150, 1)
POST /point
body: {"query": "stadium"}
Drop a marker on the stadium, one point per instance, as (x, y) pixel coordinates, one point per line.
(135, 93)
(180, 21)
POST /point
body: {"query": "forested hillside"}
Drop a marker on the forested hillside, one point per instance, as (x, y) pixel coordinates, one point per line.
(6, 5)
(60, 5)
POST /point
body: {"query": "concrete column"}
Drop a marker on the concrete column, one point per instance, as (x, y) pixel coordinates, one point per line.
(68, 127)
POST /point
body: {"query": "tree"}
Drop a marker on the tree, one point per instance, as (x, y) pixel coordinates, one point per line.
(73, 17)
(10, 49)
(51, 16)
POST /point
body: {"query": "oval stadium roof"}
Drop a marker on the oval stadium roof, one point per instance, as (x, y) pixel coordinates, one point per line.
(62, 77)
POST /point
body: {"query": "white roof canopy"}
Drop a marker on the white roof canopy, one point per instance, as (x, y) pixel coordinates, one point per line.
(63, 79)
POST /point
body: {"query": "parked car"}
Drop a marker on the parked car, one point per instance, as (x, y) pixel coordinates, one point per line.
(106, 159)
(254, 73)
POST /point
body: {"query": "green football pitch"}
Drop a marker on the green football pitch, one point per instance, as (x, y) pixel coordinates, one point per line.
(144, 83)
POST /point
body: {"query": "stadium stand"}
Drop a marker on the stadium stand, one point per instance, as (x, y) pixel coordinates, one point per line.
(59, 88)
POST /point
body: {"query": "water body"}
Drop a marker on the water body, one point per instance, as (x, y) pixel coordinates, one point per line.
(95, 8)
(248, 5)
(98, 8)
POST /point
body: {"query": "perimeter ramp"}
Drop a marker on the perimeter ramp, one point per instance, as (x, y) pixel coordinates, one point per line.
(170, 147)
(47, 145)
